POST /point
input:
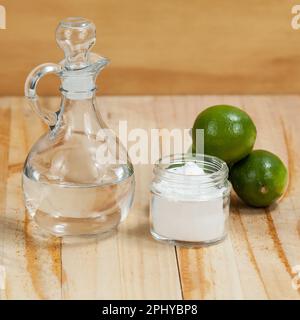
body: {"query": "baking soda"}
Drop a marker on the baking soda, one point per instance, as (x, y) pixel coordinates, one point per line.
(194, 214)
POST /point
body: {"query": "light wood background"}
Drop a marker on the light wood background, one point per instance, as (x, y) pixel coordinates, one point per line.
(162, 46)
(255, 262)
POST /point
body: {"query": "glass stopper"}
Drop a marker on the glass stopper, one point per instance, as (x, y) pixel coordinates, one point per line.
(75, 36)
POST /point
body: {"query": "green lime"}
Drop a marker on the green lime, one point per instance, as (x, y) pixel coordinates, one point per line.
(259, 179)
(229, 132)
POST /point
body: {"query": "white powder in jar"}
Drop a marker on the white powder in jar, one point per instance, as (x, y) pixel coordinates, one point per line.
(189, 214)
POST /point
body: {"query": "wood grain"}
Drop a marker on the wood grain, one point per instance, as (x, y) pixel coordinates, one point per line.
(255, 262)
(162, 47)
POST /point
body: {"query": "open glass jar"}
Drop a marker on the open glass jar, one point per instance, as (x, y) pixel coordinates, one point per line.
(190, 196)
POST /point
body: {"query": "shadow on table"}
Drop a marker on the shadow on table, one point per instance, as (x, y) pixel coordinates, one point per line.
(238, 207)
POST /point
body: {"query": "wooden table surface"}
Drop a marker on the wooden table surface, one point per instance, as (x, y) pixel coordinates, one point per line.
(256, 261)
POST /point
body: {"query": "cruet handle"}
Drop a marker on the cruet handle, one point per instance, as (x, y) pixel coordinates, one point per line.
(30, 90)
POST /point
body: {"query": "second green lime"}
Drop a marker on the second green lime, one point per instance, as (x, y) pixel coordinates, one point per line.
(259, 179)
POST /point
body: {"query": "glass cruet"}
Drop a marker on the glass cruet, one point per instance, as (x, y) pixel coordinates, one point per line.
(77, 178)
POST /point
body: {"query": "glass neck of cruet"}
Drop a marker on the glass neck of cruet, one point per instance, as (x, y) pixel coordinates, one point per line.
(81, 116)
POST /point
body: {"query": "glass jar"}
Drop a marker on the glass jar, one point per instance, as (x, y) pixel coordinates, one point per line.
(190, 196)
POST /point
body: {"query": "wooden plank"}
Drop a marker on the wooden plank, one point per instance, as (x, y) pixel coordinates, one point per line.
(32, 258)
(128, 265)
(5, 114)
(162, 47)
(200, 271)
(263, 244)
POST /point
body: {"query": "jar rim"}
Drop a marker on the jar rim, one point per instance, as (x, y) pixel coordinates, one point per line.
(215, 169)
